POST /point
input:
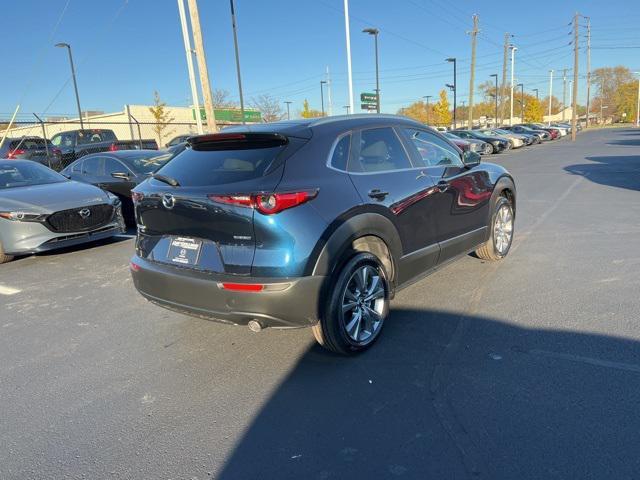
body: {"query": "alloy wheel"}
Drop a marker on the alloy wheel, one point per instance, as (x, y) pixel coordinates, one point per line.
(503, 229)
(363, 303)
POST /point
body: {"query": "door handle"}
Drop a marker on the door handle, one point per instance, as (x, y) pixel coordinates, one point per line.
(378, 194)
(442, 185)
(421, 175)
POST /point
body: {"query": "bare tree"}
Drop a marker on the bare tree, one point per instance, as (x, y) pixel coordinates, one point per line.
(221, 99)
(269, 106)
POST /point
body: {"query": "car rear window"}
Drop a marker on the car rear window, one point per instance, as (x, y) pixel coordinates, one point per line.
(28, 144)
(196, 168)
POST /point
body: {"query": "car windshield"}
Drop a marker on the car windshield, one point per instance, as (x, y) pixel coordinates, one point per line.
(149, 163)
(26, 174)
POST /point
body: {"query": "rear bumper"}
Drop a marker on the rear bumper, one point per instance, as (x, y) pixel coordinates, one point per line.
(199, 294)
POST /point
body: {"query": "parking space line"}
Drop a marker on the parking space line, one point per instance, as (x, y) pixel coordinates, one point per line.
(8, 290)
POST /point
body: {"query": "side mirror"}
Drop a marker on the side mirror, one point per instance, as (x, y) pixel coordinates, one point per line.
(471, 159)
(121, 175)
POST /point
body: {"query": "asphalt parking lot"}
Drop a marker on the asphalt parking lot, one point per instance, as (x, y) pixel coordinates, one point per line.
(527, 368)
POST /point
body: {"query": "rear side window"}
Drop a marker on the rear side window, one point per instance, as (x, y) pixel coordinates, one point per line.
(380, 151)
(433, 151)
(341, 152)
(197, 168)
(93, 166)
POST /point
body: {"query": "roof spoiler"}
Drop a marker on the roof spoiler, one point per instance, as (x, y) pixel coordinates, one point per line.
(236, 141)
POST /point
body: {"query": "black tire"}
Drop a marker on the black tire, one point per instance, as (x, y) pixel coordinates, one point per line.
(490, 250)
(331, 331)
(4, 258)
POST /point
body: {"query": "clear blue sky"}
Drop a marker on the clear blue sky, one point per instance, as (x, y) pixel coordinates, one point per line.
(124, 50)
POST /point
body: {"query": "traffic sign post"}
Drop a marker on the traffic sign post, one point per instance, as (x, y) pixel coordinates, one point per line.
(369, 101)
(368, 106)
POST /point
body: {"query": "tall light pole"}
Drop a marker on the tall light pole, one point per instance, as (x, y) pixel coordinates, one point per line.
(521, 85)
(637, 102)
(347, 32)
(322, 82)
(428, 97)
(513, 57)
(235, 44)
(537, 95)
(455, 75)
(288, 114)
(550, 91)
(495, 75)
(375, 32)
(73, 75)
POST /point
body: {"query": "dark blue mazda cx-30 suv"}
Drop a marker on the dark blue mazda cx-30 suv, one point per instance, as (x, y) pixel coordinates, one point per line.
(316, 222)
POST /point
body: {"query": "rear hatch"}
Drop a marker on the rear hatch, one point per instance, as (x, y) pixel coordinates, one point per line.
(196, 212)
(30, 149)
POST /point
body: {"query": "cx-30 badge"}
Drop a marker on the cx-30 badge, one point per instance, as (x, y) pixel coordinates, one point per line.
(168, 201)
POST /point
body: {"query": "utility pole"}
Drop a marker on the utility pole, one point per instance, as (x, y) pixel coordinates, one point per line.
(504, 76)
(428, 97)
(288, 113)
(513, 54)
(564, 93)
(638, 102)
(190, 70)
(322, 82)
(329, 96)
(349, 72)
(574, 103)
(537, 94)
(550, 92)
(474, 35)
(202, 66)
(588, 67)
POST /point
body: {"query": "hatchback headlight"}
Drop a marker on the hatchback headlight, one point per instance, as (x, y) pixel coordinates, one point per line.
(22, 216)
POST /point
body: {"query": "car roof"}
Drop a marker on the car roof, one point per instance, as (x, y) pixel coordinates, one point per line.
(304, 127)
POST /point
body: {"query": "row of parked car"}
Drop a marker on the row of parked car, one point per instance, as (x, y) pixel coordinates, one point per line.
(487, 141)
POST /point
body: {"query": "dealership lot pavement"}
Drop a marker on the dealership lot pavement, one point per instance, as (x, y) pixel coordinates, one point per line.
(528, 368)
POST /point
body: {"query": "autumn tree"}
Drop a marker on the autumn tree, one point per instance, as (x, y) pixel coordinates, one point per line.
(441, 112)
(161, 117)
(307, 112)
(269, 107)
(533, 110)
(419, 111)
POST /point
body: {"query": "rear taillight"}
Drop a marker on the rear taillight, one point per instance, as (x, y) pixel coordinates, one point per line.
(113, 147)
(267, 203)
(134, 266)
(16, 152)
(137, 197)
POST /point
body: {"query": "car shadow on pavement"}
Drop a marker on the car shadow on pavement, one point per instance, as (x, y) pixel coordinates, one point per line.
(443, 396)
(621, 171)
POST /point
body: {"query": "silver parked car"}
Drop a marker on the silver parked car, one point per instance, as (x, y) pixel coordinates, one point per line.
(41, 210)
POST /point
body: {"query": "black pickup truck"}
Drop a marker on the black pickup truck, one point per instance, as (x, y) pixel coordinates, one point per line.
(74, 144)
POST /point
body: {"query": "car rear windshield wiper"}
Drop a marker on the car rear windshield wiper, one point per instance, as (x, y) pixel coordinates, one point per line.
(163, 178)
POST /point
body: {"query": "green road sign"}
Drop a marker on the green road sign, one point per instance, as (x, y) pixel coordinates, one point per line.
(368, 98)
(368, 106)
(231, 115)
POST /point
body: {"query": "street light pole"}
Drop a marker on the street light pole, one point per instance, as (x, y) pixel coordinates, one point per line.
(455, 75)
(75, 84)
(513, 55)
(550, 91)
(322, 82)
(495, 75)
(521, 85)
(235, 44)
(428, 97)
(347, 108)
(288, 114)
(537, 97)
(375, 32)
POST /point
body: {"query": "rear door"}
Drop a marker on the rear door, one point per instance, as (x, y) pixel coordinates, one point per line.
(210, 209)
(462, 199)
(390, 183)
